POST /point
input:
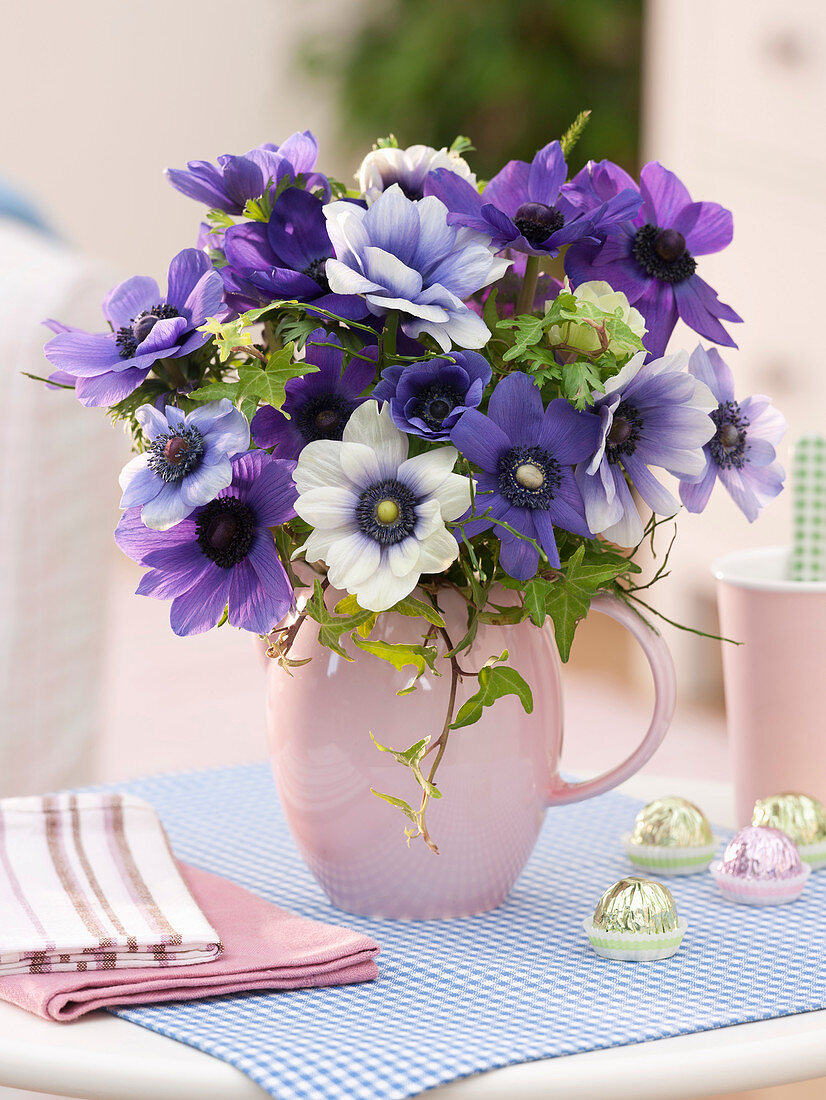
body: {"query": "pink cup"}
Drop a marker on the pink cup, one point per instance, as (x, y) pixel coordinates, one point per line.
(775, 681)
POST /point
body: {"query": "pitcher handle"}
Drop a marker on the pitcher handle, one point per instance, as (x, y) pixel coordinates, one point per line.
(665, 690)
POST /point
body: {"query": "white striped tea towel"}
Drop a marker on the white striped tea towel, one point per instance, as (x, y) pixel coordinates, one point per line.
(89, 882)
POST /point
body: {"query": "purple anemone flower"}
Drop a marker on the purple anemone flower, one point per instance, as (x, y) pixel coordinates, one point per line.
(651, 414)
(187, 462)
(106, 367)
(741, 453)
(526, 207)
(526, 454)
(319, 404)
(228, 185)
(285, 258)
(651, 258)
(598, 182)
(223, 555)
(402, 255)
(428, 398)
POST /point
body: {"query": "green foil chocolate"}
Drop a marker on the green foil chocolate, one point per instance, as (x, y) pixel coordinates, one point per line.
(636, 905)
(671, 823)
(798, 815)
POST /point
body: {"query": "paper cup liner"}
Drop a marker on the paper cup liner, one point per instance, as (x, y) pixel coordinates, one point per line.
(635, 946)
(671, 861)
(813, 854)
(766, 891)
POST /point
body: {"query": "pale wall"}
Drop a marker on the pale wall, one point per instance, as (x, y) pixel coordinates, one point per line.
(100, 95)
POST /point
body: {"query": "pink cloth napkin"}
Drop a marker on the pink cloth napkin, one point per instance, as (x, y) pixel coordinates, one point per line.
(265, 948)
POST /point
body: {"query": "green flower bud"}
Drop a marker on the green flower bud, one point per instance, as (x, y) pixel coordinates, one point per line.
(601, 320)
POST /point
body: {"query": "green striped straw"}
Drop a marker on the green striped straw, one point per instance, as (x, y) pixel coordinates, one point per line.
(809, 509)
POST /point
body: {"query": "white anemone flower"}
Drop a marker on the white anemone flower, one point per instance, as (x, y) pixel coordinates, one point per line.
(379, 516)
(409, 168)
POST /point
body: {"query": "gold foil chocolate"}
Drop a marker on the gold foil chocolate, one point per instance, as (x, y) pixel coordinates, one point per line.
(671, 823)
(636, 905)
(798, 815)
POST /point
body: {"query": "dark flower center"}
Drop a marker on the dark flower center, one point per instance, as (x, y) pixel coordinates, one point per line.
(662, 254)
(323, 416)
(434, 403)
(536, 221)
(177, 453)
(316, 271)
(129, 336)
(529, 477)
(624, 433)
(226, 528)
(386, 512)
(728, 446)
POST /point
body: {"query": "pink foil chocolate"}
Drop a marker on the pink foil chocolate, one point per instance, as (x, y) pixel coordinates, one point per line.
(761, 866)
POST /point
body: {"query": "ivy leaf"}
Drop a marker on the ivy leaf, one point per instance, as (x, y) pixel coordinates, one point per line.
(350, 606)
(399, 803)
(494, 683)
(506, 615)
(567, 601)
(401, 656)
(412, 758)
(416, 609)
(534, 597)
(331, 627)
(228, 335)
(258, 384)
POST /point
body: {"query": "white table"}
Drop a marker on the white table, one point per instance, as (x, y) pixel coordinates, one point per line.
(103, 1058)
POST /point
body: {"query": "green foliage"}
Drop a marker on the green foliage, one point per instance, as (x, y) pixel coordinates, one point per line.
(410, 758)
(574, 132)
(579, 380)
(219, 219)
(258, 383)
(565, 599)
(462, 145)
(414, 608)
(495, 681)
(401, 656)
(511, 72)
(553, 348)
(330, 626)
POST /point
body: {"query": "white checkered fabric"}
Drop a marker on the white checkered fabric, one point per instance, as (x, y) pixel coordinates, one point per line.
(459, 997)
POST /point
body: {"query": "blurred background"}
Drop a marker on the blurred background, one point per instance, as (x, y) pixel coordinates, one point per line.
(93, 685)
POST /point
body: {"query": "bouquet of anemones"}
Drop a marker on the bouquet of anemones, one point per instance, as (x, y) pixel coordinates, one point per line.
(386, 391)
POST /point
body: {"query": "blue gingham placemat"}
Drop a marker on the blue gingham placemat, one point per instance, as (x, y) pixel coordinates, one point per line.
(459, 997)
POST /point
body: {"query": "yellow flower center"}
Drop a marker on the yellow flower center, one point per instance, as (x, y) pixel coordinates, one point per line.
(387, 512)
(530, 476)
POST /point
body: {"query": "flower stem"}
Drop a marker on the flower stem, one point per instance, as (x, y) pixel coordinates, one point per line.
(388, 336)
(527, 292)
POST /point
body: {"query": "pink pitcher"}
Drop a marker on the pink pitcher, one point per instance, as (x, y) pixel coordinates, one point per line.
(497, 777)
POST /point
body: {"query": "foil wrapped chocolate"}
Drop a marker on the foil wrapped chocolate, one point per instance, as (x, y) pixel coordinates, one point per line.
(761, 866)
(671, 836)
(636, 921)
(801, 817)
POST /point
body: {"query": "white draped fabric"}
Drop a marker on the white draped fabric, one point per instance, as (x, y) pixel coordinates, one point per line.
(58, 500)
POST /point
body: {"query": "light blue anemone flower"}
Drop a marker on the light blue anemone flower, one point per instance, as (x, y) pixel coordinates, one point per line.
(651, 414)
(402, 255)
(741, 453)
(187, 462)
